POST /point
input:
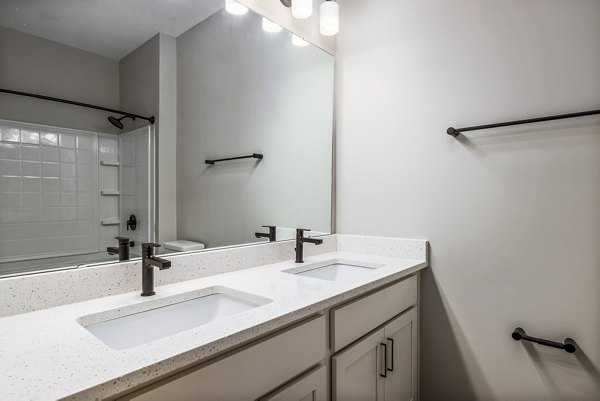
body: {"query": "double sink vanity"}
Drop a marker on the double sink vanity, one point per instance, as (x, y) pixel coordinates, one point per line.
(343, 325)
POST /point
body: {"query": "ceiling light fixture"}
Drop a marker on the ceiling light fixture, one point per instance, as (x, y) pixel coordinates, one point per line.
(330, 18)
(235, 8)
(302, 9)
(330, 14)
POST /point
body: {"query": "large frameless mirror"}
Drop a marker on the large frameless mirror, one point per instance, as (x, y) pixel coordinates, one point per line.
(183, 123)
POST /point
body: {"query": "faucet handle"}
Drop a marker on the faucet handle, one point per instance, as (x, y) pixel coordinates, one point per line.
(125, 241)
(148, 249)
(300, 231)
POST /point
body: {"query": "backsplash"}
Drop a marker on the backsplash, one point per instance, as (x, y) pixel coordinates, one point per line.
(40, 291)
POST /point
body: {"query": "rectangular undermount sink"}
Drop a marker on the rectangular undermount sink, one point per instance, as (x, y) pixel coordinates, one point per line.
(148, 321)
(335, 270)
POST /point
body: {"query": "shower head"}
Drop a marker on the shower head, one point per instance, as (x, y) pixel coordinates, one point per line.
(117, 121)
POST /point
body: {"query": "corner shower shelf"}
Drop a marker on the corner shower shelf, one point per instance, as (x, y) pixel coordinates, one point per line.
(110, 192)
(110, 222)
(113, 163)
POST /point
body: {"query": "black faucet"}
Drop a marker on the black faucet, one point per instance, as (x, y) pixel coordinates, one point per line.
(122, 250)
(271, 235)
(300, 240)
(149, 261)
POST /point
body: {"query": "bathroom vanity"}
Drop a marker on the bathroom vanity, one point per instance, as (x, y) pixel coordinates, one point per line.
(369, 343)
(341, 326)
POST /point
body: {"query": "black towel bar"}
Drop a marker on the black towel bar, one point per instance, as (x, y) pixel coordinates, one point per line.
(569, 345)
(258, 156)
(456, 131)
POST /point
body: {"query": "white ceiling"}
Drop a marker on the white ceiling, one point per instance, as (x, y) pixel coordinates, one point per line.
(111, 28)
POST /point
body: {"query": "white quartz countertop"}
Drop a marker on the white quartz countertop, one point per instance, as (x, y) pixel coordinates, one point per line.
(48, 355)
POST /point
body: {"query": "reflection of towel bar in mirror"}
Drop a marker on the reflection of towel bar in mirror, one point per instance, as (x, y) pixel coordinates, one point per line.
(258, 156)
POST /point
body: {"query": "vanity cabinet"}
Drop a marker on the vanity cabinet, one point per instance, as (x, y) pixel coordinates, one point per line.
(366, 351)
(381, 366)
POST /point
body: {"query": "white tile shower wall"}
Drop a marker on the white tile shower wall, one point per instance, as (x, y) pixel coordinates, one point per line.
(47, 191)
(135, 185)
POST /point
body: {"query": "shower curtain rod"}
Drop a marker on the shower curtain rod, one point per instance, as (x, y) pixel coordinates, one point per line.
(456, 131)
(89, 106)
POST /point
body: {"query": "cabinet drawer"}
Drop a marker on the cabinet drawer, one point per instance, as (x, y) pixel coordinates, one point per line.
(246, 374)
(352, 321)
(311, 386)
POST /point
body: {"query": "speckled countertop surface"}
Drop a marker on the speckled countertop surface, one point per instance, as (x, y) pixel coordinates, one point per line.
(48, 355)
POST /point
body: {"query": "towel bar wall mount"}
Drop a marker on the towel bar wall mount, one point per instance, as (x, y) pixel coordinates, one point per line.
(568, 345)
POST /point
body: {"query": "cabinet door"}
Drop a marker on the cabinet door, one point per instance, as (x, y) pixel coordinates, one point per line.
(401, 340)
(309, 387)
(357, 371)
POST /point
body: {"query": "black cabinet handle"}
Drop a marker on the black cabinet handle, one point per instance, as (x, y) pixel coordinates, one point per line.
(385, 359)
(391, 341)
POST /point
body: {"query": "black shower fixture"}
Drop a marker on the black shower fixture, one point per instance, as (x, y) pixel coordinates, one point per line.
(117, 121)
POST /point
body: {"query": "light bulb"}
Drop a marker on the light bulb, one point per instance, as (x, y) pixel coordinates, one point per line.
(298, 41)
(302, 9)
(270, 26)
(330, 18)
(235, 8)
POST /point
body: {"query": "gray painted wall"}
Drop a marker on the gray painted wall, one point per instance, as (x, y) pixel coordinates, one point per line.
(138, 81)
(167, 141)
(32, 64)
(240, 91)
(148, 82)
(513, 215)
